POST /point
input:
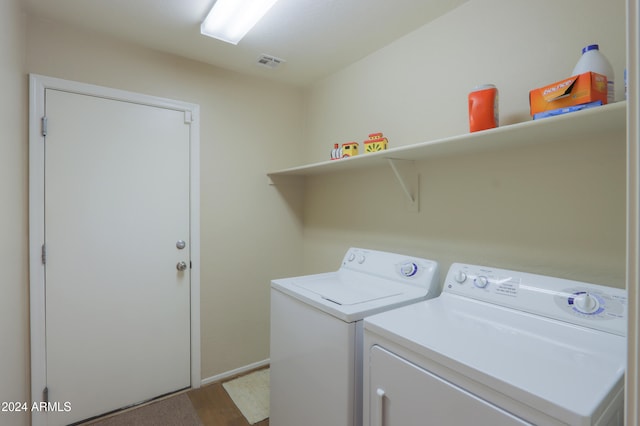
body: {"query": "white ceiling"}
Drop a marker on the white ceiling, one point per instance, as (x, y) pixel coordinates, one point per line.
(314, 37)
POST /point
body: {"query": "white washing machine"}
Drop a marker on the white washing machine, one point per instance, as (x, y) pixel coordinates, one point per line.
(317, 334)
(499, 347)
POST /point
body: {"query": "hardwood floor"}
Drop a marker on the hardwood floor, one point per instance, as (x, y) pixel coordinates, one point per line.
(215, 407)
(212, 403)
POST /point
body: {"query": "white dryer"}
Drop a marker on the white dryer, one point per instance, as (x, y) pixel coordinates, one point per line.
(499, 347)
(317, 334)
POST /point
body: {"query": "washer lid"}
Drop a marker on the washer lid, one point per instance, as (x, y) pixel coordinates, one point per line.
(351, 296)
(351, 291)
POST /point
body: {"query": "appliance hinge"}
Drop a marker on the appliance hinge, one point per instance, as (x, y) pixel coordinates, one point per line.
(44, 126)
(44, 254)
(188, 117)
(45, 394)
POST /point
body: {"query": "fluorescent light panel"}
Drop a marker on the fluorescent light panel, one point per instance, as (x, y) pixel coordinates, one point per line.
(230, 20)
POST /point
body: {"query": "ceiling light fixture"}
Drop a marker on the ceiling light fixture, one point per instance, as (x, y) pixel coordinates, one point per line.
(230, 20)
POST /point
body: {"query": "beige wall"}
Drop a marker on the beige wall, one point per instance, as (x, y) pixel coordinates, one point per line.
(244, 133)
(415, 89)
(14, 298)
(556, 209)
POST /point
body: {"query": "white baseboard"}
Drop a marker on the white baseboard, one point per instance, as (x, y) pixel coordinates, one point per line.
(235, 372)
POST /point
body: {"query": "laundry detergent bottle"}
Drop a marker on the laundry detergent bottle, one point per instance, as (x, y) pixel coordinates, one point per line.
(594, 61)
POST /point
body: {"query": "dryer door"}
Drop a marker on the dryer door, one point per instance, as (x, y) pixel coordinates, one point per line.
(402, 393)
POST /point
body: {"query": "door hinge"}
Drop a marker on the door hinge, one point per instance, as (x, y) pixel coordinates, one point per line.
(188, 117)
(45, 394)
(44, 254)
(44, 126)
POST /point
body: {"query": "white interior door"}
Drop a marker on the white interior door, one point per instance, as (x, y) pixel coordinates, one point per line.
(116, 205)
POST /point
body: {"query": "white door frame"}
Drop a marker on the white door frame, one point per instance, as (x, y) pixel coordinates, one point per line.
(37, 86)
(632, 384)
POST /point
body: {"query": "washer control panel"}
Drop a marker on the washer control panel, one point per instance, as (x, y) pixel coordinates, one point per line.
(392, 266)
(590, 305)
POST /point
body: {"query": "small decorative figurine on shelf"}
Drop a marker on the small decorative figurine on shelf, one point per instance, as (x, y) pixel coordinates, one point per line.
(336, 152)
(376, 142)
(349, 149)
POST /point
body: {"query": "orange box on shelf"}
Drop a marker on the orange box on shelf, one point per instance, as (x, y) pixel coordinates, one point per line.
(576, 90)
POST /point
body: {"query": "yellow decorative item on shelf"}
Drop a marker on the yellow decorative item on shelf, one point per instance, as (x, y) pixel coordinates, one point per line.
(349, 149)
(376, 142)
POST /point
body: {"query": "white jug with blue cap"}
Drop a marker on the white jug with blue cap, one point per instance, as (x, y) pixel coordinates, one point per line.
(593, 60)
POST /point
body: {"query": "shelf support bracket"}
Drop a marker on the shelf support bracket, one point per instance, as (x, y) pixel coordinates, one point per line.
(408, 178)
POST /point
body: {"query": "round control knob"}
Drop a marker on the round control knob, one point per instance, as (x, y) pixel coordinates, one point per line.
(481, 281)
(460, 277)
(585, 303)
(351, 257)
(361, 258)
(409, 269)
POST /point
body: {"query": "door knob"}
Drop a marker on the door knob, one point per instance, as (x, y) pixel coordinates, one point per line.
(181, 266)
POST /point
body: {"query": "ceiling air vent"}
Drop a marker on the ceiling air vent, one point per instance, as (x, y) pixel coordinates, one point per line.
(270, 61)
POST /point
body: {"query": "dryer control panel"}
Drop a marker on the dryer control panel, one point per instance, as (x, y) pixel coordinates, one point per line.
(589, 305)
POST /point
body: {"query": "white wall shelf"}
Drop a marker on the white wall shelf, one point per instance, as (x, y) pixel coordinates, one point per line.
(603, 120)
